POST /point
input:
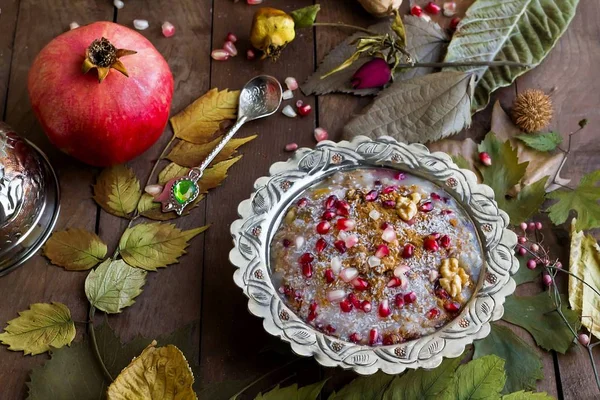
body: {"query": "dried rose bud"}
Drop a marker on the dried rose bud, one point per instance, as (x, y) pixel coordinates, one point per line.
(372, 74)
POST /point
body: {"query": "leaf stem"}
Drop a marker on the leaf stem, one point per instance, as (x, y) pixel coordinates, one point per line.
(92, 333)
(347, 26)
(466, 64)
(564, 160)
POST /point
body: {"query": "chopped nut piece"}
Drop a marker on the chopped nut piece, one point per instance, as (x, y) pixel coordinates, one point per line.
(406, 208)
(454, 278)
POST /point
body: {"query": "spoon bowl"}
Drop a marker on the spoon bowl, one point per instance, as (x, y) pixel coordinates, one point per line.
(259, 98)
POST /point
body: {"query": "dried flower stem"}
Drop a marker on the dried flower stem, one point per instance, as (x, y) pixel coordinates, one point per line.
(564, 160)
(347, 26)
(466, 64)
(94, 342)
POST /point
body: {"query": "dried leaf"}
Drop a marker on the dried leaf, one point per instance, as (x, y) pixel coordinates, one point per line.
(211, 178)
(171, 171)
(309, 392)
(75, 249)
(518, 30)
(523, 364)
(584, 263)
(483, 378)
(148, 208)
(159, 373)
(114, 285)
(191, 155)
(537, 314)
(419, 110)
(198, 122)
(117, 190)
(37, 330)
(521, 395)
(305, 17)
(541, 141)
(583, 200)
(155, 245)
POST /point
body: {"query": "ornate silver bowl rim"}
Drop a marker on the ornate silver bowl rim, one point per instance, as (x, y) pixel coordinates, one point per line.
(261, 215)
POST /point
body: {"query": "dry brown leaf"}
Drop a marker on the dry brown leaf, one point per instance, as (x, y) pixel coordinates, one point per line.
(75, 249)
(211, 178)
(198, 122)
(190, 155)
(159, 373)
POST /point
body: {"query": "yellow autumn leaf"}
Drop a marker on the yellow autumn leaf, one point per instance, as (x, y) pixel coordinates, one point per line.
(75, 249)
(584, 262)
(190, 155)
(148, 208)
(211, 178)
(198, 122)
(159, 373)
(117, 190)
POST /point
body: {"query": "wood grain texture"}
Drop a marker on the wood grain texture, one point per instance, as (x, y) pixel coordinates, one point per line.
(8, 26)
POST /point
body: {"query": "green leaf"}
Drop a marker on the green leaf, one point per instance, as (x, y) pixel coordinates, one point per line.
(113, 285)
(75, 249)
(423, 384)
(521, 395)
(514, 30)
(537, 314)
(542, 141)
(523, 364)
(419, 110)
(525, 274)
(40, 328)
(483, 378)
(305, 17)
(155, 245)
(117, 190)
(292, 392)
(461, 162)
(583, 199)
(364, 388)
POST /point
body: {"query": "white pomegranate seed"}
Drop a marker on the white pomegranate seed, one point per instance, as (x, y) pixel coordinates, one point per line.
(291, 83)
(350, 241)
(336, 295)
(220, 55)
(291, 147)
(118, 4)
(345, 224)
(389, 235)
(426, 17)
(374, 215)
(289, 111)
(373, 261)
(401, 271)
(287, 95)
(433, 275)
(348, 274)
(449, 8)
(168, 29)
(153, 190)
(384, 309)
(299, 103)
(366, 306)
(231, 37)
(300, 242)
(336, 265)
(320, 134)
(140, 24)
(250, 54)
(382, 251)
(230, 48)
(254, 2)
(73, 25)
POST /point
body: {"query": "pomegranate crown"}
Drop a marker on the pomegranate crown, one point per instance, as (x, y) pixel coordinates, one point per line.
(103, 56)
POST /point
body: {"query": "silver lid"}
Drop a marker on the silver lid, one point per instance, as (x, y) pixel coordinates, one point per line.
(29, 199)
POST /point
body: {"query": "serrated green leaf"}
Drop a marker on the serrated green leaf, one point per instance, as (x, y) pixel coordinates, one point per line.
(114, 285)
(523, 364)
(583, 200)
(537, 314)
(525, 274)
(117, 190)
(483, 378)
(305, 17)
(37, 330)
(75, 249)
(419, 110)
(292, 392)
(364, 388)
(521, 395)
(461, 162)
(423, 384)
(542, 141)
(155, 245)
(511, 30)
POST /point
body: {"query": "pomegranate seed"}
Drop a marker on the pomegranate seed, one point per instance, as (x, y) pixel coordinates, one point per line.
(320, 134)
(432, 8)
(373, 336)
(384, 309)
(140, 24)
(521, 251)
(400, 271)
(299, 103)
(583, 339)
(336, 264)
(435, 235)
(391, 339)
(416, 11)
(433, 313)
(320, 245)
(485, 159)
(430, 244)
(389, 189)
(342, 208)
(330, 202)
(311, 316)
(300, 242)
(288, 111)
(399, 176)
(303, 202)
(531, 264)
(426, 207)
(291, 83)
(374, 214)
(372, 195)
(73, 25)
(345, 224)
(306, 258)
(433, 275)
(410, 297)
(408, 251)
(329, 329)
(307, 270)
(389, 235)
(394, 282)
(336, 295)
(385, 225)
(313, 306)
(304, 110)
(351, 241)
(220, 55)
(389, 204)
(348, 274)
(323, 227)
(399, 301)
(286, 243)
(250, 55)
(442, 294)
(354, 338)
(231, 37)
(436, 196)
(230, 48)
(287, 95)
(382, 251)
(354, 300)
(291, 147)
(446, 212)
(366, 306)
(373, 261)
(168, 29)
(346, 305)
(547, 280)
(453, 25)
(360, 284)
(328, 215)
(452, 306)
(449, 8)
(340, 245)
(254, 2)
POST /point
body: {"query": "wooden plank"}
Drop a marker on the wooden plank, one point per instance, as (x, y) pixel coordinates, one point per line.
(38, 22)
(232, 338)
(8, 26)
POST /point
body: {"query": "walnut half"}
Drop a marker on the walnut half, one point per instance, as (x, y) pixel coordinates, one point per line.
(454, 278)
(407, 208)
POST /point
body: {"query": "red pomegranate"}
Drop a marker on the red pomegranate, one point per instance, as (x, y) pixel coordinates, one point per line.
(102, 93)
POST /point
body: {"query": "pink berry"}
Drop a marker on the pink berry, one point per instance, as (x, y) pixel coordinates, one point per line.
(524, 226)
(531, 226)
(372, 195)
(220, 55)
(432, 8)
(485, 159)
(521, 251)
(168, 29)
(547, 279)
(534, 247)
(230, 48)
(250, 55)
(384, 309)
(408, 251)
(304, 110)
(416, 11)
(531, 264)
(583, 339)
(320, 134)
(522, 239)
(410, 297)
(329, 276)
(323, 227)
(320, 245)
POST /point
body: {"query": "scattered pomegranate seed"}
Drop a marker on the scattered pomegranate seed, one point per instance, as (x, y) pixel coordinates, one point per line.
(445, 241)
(521, 251)
(320, 245)
(254, 2)
(168, 29)
(73, 25)
(372, 195)
(230, 48)
(426, 207)
(433, 8)
(313, 306)
(583, 339)
(354, 300)
(385, 225)
(311, 316)
(291, 83)
(410, 297)
(329, 276)
(382, 251)
(328, 215)
(366, 306)
(394, 282)
(389, 204)
(389, 235)
(433, 313)
(433, 275)
(329, 329)
(401, 270)
(342, 208)
(300, 241)
(399, 301)
(336, 264)
(330, 201)
(119, 4)
(288, 111)
(231, 37)
(389, 189)
(250, 55)
(454, 24)
(373, 336)
(286, 243)
(348, 274)
(140, 24)
(306, 258)
(303, 202)
(320, 134)
(345, 224)
(485, 159)
(307, 270)
(452, 306)
(408, 251)
(340, 245)
(430, 244)
(323, 227)
(449, 8)
(351, 241)
(354, 338)
(442, 294)
(336, 295)
(360, 284)
(399, 176)
(287, 95)
(446, 212)
(220, 55)
(531, 264)
(304, 110)
(416, 11)
(384, 309)
(435, 196)
(346, 305)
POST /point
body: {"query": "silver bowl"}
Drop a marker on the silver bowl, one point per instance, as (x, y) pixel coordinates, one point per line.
(29, 199)
(261, 215)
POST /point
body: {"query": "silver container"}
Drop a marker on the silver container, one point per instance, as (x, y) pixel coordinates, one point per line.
(261, 215)
(29, 199)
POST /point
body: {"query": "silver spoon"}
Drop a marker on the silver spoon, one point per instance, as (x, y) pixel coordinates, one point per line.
(259, 98)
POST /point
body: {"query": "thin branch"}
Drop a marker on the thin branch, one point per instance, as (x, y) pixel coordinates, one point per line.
(92, 333)
(346, 26)
(466, 64)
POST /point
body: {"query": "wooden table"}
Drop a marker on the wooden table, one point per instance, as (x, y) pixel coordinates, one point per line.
(200, 289)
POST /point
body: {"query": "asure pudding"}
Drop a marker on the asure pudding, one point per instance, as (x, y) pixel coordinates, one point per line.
(376, 256)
